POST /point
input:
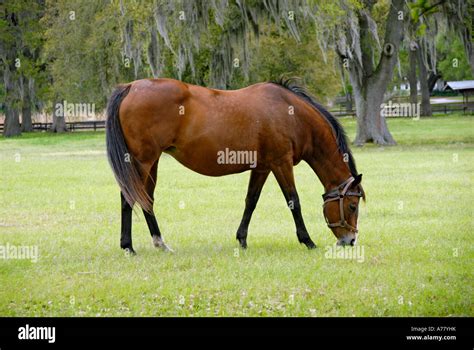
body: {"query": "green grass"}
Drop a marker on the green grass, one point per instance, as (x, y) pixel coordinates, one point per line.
(416, 229)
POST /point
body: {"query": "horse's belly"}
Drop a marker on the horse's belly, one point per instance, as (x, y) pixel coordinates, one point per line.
(214, 161)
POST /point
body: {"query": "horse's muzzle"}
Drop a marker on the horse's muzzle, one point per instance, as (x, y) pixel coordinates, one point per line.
(349, 239)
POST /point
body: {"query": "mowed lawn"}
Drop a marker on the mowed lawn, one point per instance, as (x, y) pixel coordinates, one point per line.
(416, 228)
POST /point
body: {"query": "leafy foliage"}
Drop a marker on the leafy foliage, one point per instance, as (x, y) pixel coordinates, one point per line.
(77, 50)
(453, 62)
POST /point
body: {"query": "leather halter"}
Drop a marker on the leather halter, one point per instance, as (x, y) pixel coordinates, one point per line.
(339, 193)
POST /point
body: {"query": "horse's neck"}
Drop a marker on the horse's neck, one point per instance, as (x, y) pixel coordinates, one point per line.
(328, 162)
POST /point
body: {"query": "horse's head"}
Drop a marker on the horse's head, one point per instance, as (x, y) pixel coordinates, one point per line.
(341, 209)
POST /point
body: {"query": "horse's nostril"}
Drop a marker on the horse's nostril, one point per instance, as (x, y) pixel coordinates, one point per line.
(353, 241)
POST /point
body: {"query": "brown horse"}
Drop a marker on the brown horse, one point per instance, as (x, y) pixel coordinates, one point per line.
(266, 127)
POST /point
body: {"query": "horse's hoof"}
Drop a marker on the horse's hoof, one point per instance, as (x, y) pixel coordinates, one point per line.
(158, 243)
(129, 251)
(166, 248)
(242, 243)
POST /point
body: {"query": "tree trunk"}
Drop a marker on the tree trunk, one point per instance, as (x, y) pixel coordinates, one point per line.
(432, 79)
(371, 125)
(12, 122)
(348, 102)
(59, 122)
(424, 86)
(153, 52)
(412, 74)
(26, 124)
(466, 37)
(470, 55)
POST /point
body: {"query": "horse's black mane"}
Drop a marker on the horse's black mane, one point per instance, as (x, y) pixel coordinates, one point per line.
(341, 138)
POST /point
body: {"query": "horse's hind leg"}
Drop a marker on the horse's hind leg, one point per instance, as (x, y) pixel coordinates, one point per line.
(150, 183)
(126, 228)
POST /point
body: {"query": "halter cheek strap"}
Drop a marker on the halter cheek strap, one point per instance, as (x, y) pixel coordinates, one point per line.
(338, 194)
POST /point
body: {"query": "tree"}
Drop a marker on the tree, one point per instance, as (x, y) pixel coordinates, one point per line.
(20, 39)
(59, 120)
(412, 76)
(80, 50)
(420, 45)
(426, 19)
(276, 55)
(422, 61)
(452, 61)
(357, 48)
(26, 122)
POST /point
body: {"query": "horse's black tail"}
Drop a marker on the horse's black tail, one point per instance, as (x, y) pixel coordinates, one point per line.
(124, 167)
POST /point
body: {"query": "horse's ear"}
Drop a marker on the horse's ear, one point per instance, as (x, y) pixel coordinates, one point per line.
(357, 180)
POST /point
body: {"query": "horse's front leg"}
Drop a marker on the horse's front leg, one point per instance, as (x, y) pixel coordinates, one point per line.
(285, 178)
(257, 180)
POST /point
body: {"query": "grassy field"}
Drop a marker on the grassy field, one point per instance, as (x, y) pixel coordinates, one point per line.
(416, 229)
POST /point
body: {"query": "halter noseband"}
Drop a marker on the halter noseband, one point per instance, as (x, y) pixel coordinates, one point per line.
(339, 193)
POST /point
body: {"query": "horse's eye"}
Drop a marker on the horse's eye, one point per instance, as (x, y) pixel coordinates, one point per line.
(352, 206)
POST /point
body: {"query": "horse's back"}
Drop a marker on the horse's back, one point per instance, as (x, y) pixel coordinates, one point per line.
(193, 122)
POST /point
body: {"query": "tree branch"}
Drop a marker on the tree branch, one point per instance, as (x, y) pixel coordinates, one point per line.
(393, 38)
(431, 7)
